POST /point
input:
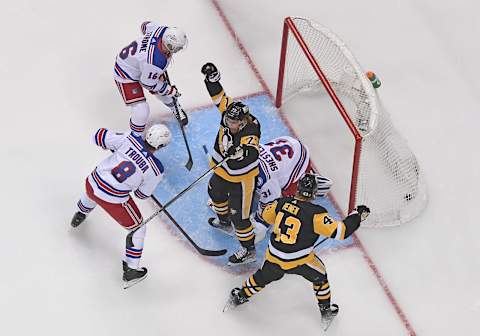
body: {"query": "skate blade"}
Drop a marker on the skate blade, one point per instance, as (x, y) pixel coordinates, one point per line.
(128, 284)
(246, 262)
(229, 305)
(326, 323)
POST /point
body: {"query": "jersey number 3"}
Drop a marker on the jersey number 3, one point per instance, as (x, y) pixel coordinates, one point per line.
(290, 224)
(124, 170)
(281, 149)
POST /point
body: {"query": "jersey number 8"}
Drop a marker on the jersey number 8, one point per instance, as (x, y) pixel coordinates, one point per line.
(124, 170)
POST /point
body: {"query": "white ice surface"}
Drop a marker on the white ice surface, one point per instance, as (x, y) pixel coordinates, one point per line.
(57, 88)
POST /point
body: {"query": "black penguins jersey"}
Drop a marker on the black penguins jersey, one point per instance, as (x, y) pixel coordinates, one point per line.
(297, 226)
(248, 137)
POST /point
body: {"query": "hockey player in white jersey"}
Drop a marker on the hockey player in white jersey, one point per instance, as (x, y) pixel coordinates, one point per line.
(142, 65)
(131, 167)
(282, 162)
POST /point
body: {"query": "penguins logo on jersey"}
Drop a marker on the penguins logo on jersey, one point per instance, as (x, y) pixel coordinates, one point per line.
(227, 140)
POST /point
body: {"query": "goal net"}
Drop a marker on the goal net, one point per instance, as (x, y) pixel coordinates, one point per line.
(354, 141)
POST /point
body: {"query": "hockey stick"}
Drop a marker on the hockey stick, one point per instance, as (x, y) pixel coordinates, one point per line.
(180, 194)
(202, 251)
(189, 163)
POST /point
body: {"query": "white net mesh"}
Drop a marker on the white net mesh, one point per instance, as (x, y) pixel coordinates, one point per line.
(389, 180)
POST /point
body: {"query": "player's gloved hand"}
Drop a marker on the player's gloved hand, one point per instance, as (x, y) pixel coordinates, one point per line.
(211, 72)
(165, 90)
(235, 153)
(172, 92)
(363, 211)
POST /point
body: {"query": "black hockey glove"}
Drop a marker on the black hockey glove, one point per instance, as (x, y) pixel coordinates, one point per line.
(235, 153)
(363, 211)
(211, 72)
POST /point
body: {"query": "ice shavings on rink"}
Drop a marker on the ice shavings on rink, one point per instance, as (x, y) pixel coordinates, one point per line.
(191, 211)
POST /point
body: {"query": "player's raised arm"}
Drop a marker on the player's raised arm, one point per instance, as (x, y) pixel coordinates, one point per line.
(325, 225)
(215, 89)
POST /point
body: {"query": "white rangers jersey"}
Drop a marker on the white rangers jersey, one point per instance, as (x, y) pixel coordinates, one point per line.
(142, 60)
(282, 162)
(130, 168)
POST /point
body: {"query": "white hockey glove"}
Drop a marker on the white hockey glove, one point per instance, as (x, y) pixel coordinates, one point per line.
(211, 72)
(363, 211)
(235, 153)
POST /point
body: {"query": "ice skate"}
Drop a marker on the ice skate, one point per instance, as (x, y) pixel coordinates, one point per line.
(224, 226)
(242, 256)
(132, 276)
(78, 219)
(328, 314)
(236, 298)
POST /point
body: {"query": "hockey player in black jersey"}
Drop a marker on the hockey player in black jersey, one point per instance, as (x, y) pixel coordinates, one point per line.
(231, 187)
(298, 224)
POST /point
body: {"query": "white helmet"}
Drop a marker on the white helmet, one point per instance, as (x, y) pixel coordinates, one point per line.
(174, 39)
(158, 136)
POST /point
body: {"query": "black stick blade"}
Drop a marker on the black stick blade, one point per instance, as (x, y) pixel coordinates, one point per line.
(189, 164)
(211, 253)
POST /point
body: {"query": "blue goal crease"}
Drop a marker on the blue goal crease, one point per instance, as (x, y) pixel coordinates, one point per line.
(190, 210)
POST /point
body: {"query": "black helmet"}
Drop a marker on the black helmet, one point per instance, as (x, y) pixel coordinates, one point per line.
(237, 111)
(307, 186)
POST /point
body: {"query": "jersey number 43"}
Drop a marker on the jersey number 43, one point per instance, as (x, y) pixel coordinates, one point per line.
(286, 228)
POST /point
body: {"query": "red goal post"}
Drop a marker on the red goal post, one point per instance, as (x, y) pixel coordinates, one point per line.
(385, 174)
